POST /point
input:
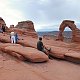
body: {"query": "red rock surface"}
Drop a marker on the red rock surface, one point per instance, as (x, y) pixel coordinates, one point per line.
(12, 68)
(53, 69)
(2, 22)
(23, 32)
(28, 25)
(24, 53)
(58, 49)
(4, 38)
(11, 26)
(73, 56)
(27, 28)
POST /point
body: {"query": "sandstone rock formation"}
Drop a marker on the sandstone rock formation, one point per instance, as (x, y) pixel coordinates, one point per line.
(11, 26)
(24, 53)
(72, 26)
(25, 41)
(12, 68)
(23, 32)
(4, 38)
(64, 53)
(28, 25)
(73, 56)
(24, 28)
(59, 49)
(2, 22)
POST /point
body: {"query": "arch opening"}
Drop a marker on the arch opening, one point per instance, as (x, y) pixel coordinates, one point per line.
(67, 33)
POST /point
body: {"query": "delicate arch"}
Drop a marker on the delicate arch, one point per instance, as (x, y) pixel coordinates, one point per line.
(72, 26)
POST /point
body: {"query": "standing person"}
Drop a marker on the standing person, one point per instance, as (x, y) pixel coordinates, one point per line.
(41, 47)
(12, 36)
(16, 37)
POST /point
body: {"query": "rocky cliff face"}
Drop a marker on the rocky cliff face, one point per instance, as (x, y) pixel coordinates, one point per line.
(2, 22)
(28, 25)
(24, 28)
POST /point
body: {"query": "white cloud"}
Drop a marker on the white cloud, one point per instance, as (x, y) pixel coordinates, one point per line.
(11, 16)
(47, 26)
(41, 12)
(44, 2)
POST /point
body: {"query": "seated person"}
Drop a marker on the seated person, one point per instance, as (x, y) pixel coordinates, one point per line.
(41, 47)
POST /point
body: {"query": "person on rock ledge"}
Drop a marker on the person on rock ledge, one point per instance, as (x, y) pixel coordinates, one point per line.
(14, 37)
(42, 48)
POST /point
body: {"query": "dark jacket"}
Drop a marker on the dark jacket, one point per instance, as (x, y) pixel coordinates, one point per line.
(40, 45)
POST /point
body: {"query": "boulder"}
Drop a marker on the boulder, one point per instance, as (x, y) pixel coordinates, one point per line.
(64, 53)
(4, 38)
(57, 52)
(2, 48)
(28, 43)
(25, 53)
(73, 56)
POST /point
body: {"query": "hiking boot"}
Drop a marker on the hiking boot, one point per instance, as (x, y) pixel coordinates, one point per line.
(49, 49)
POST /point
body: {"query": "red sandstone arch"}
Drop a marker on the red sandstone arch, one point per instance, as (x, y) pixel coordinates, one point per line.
(72, 26)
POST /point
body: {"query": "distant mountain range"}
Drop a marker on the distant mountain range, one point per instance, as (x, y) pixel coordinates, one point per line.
(67, 34)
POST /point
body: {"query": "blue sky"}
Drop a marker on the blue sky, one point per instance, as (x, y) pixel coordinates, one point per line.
(45, 14)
